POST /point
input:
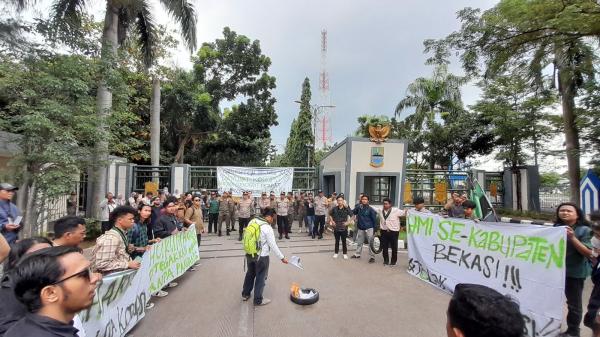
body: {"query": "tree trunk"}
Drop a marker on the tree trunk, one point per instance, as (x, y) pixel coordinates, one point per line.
(103, 109)
(571, 134)
(155, 122)
(180, 152)
(31, 210)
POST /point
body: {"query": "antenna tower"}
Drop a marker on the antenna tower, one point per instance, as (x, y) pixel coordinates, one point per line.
(324, 123)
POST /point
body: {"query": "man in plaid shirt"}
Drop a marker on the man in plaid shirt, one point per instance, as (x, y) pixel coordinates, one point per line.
(111, 251)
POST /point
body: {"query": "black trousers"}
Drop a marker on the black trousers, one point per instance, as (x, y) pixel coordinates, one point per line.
(213, 218)
(319, 225)
(574, 294)
(243, 223)
(255, 277)
(283, 225)
(340, 235)
(389, 239)
(199, 237)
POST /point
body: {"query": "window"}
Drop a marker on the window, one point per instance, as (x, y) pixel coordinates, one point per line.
(378, 188)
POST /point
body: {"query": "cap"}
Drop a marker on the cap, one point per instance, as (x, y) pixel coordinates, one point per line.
(320, 191)
(8, 187)
(282, 193)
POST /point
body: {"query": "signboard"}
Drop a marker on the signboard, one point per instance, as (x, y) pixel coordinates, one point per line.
(527, 262)
(377, 156)
(121, 299)
(257, 180)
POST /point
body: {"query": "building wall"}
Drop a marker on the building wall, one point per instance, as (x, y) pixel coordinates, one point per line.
(335, 164)
(393, 163)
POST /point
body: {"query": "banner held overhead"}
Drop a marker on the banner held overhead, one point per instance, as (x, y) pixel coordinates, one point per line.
(257, 180)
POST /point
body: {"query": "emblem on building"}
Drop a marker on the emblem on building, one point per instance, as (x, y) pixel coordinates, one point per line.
(379, 133)
(377, 156)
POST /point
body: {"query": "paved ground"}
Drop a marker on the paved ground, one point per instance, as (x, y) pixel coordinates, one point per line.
(357, 299)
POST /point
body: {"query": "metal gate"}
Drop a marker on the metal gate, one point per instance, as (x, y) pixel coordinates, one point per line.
(143, 174)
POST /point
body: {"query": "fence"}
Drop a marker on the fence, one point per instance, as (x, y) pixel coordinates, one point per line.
(423, 183)
(549, 201)
(144, 173)
(494, 179)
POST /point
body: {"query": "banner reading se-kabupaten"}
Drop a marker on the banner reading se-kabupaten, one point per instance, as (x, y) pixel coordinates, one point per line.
(526, 262)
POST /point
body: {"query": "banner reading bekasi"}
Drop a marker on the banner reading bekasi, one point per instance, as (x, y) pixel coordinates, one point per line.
(120, 301)
(257, 180)
(526, 262)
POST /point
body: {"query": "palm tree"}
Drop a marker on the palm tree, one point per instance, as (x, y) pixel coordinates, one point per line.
(122, 17)
(432, 97)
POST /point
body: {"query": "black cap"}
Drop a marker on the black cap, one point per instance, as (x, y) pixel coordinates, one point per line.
(8, 187)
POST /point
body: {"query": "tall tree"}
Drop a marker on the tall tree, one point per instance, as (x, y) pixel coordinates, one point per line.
(121, 18)
(300, 144)
(530, 36)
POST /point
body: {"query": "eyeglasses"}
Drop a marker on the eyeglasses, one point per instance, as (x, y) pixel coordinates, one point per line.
(86, 274)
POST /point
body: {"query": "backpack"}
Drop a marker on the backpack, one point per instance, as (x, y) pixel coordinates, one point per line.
(251, 239)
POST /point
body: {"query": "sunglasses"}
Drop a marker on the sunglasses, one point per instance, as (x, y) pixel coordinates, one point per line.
(86, 274)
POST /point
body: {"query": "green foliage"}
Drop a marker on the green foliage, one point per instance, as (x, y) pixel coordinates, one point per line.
(550, 179)
(365, 120)
(300, 144)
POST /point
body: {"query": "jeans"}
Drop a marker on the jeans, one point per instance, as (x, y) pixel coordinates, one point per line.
(319, 225)
(282, 224)
(340, 235)
(389, 239)
(213, 218)
(574, 294)
(243, 223)
(310, 222)
(255, 277)
(360, 238)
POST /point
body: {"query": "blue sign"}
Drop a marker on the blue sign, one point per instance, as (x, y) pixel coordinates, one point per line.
(590, 193)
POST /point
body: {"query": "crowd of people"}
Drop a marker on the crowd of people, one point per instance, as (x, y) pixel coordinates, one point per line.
(46, 282)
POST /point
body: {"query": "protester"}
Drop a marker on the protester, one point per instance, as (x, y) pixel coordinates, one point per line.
(301, 213)
(156, 210)
(591, 318)
(259, 265)
(454, 206)
(244, 210)
(69, 231)
(107, 206)
(54, 284)
(9, 213)
(167, 224)
(133, 200)
(339, 218)
(355, 229)
(11, 309)
(366, 218)
(4, 250)
(120, 200)
(282, 208)
(309, 204)
(137, 236)
(419, 203)
(194, 217)
(225, 206)
(147, 199)
(569, 215)
(478, 311)
(469, 210)
(213, 213)
(111, 251)
(321, 206)
(390, 229)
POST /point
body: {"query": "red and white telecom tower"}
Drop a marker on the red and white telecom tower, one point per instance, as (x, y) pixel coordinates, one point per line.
(323, 134)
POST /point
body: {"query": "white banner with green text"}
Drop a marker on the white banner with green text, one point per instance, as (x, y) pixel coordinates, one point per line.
(121, 299)
(255, 179)
(526, 262)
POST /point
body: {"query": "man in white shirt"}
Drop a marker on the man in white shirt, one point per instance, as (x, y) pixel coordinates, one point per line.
(390, 228)
(259, 266)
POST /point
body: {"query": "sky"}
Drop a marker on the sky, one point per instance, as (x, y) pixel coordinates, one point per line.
(375, 49)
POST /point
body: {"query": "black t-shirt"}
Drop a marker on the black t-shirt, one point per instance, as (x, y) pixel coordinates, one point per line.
(310, 209)
(33, 325)
(11, 310)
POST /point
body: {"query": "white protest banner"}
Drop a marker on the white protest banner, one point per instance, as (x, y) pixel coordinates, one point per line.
(527, 262)
(257, 180)
(121, 299)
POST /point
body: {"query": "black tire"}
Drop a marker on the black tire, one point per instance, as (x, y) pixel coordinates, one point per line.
(375, 244)
(305, 301)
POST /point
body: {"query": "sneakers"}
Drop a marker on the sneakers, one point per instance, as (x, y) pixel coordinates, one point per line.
(149, 305)
(192, 269)
(160, 293)
(287, 236)
(227, 233)
(345, 257)
(335, 256)
(300, 231)
(356, 256)
(280, 237)
(371, 260)
(265, 301)
(220, 233)
(245, 298)
(172, 285)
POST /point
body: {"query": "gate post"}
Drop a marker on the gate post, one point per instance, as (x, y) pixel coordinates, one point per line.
(180, 178)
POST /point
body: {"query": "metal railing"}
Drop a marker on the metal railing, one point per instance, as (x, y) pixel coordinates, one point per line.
(423, 184)
(143, 174)
(549, 201)
(496, 178)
